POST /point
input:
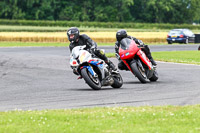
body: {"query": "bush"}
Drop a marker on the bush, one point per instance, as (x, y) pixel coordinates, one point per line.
(98, 24)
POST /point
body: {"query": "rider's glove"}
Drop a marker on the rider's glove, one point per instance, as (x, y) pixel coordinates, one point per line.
(117, 56)
(141, 44)
(93, 49)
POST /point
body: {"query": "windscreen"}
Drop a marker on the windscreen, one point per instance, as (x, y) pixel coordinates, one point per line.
(125, 43)
(188, 33)
(175, 32)
(75, 51)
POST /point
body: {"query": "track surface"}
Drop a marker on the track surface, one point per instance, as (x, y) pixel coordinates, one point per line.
(40, 78)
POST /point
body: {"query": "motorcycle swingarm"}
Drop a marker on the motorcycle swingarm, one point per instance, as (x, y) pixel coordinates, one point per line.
(107, 81)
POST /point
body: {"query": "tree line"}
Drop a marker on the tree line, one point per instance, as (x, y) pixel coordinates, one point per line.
(148, 11)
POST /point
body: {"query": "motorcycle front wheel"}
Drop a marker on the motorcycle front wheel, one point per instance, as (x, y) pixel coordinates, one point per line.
(139, 73)
(93, 82)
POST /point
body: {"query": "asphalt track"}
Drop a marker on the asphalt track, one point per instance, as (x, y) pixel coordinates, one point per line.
(40, 78)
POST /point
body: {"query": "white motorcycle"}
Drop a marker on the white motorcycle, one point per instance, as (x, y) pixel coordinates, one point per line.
(94, 71)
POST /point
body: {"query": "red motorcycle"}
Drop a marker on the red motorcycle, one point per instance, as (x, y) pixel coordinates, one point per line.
(136, 61)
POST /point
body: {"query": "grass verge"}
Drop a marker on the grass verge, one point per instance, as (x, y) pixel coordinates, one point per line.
(17, 28)
(188, 57)
(151, 119)
(23, 28)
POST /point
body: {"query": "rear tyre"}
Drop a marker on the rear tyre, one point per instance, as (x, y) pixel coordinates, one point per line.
(139, 73)
(118, 81)
(93, 82)
(154, 77)
(169, 42)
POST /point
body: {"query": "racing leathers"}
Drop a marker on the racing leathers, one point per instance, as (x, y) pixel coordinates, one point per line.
(92, 47)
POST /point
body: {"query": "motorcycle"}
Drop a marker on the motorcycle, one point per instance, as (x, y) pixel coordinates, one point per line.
(94, 71)
(136, 61)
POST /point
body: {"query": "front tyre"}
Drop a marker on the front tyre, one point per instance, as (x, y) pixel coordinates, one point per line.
(93, 82)
(139, 73)
(118, 82)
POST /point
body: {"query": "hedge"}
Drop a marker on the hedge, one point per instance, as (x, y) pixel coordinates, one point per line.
(98, 24)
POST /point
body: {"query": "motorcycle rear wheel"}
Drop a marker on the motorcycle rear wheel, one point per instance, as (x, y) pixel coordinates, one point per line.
(93, 82)
(118, 82)
(154, 77)
(139, 73)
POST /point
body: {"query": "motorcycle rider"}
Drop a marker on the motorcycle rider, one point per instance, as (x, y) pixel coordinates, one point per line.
(123, 34)
(76, 39)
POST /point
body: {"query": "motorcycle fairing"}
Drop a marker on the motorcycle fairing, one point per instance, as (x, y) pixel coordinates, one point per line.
(73, 62)
(127, 64)
(85, 59)
(90, 70)
(129, 49)
(144, 59)
(97, 63)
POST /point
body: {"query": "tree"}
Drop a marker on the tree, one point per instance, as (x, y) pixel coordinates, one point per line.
(113, 10)
(165, 11)
(10, 9)
(151, 11)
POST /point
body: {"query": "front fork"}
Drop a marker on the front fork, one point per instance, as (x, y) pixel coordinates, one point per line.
(90, 69)
(144, 59)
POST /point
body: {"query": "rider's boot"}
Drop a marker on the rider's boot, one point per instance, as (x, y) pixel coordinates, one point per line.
(148, 54)
(102, 56)
(152, 61)
(111, 65)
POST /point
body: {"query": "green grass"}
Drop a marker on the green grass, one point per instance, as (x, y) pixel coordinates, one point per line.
(188, 57)
(13, 28)
(17, 28)
(178, 119)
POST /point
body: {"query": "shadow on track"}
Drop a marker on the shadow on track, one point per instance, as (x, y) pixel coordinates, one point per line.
(90, 89)
(132, 82)
(138, 82)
